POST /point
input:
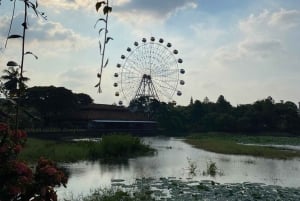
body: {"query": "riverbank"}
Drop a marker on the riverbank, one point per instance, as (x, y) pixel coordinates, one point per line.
(239, 145)
(115, 146)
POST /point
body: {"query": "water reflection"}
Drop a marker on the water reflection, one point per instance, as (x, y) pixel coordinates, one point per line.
(171, 160)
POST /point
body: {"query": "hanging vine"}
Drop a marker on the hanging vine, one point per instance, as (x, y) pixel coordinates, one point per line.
(103, 38)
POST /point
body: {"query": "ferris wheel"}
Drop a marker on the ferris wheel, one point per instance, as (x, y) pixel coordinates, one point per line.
(150, 69)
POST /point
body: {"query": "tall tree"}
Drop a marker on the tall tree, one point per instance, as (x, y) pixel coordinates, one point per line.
(222, 105)
(13, 82)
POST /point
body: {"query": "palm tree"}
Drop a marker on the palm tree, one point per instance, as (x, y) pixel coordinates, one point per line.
(14, 83)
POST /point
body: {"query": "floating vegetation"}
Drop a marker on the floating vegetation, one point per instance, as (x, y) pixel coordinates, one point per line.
(173, 189)
(249, 161)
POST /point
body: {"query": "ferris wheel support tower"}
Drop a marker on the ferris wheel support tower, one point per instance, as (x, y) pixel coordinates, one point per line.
(146, 88)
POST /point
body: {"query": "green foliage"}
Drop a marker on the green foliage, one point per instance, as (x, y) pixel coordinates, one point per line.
(13, 83)
(117, 195)
(53, 102)
(17, 180)
(211, 169)
(231, 144)
(119, 146)
(115, 146)
(192, 167)
(58, 151)
(103, 39)
(262, 116)
(108, 195)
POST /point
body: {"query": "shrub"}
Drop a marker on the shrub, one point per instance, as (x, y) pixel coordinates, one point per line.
(119, 146)
(17, 180)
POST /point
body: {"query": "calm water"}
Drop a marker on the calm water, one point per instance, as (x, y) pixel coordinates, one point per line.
(172, 159)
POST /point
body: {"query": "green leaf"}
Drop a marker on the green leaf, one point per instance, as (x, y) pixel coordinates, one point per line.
(105, 63)
(12, 63)
(14, 36)
(24, 24)
(36, 57)
(99, 4)
(100, 47)
(33, 6)
(108, 39)
(100, 30)
(107, 9)
(101, 19)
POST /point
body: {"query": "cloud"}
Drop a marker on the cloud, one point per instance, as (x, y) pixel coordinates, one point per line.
(285, 18)
(260, 48)
(81, 79)
(207, 34)
(67, 4)
(270, 22)
(77, 78)
(147, 13)
(157, 8)
(45, 36)
(262, 36)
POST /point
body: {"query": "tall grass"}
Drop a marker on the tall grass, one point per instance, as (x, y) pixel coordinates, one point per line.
(230, 144)
(119, 146)
(111, 146)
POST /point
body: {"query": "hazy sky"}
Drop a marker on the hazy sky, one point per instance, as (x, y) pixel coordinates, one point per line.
(245, 50)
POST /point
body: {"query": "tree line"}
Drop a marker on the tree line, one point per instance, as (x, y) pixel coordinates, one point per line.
(220, 116)
(42, 106)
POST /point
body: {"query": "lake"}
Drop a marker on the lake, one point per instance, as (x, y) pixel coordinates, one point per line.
(173, 159)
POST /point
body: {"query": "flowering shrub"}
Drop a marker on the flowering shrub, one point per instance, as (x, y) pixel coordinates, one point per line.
(17, 180)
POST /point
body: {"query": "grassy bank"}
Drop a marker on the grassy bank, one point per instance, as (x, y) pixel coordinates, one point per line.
(231, 144)
(113, 146)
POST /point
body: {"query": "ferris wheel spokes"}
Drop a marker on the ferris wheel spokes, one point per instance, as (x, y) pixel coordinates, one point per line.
(150, 69)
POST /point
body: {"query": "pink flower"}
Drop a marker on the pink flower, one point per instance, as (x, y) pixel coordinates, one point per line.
(3, 127)
(50, 171)
(17, 149)
(21, 168)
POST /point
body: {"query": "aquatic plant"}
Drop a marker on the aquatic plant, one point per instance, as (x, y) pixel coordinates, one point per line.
(114, 146)
(179, 190)
(120, 146)
(211, 168)
(192, 166)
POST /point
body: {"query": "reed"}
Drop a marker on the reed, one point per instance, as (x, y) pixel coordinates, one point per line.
(110, 147)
